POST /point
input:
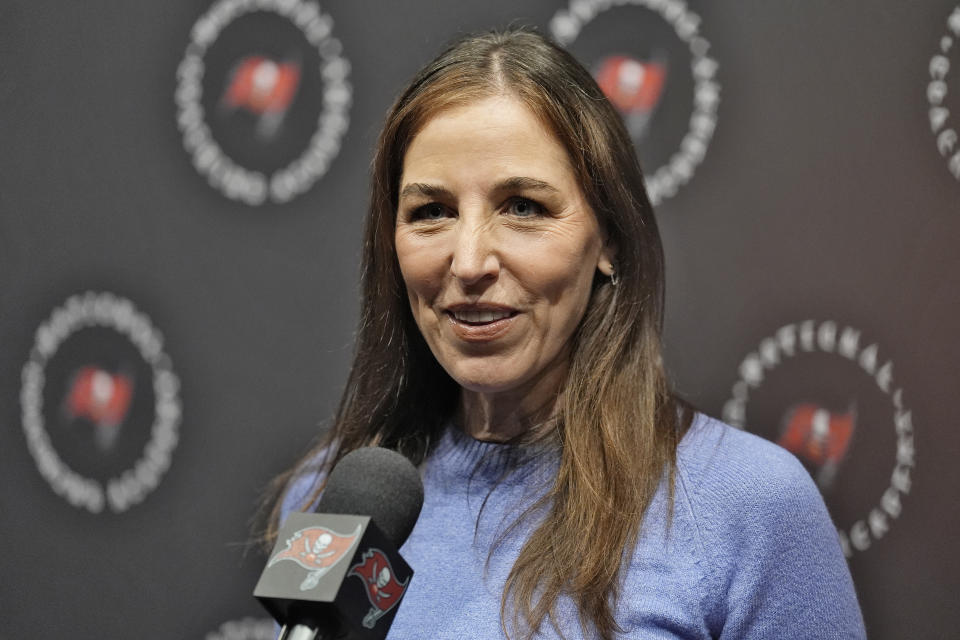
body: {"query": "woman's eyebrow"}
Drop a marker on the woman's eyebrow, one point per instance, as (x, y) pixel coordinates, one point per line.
(425, 190)
(524, 183)
(513, 183)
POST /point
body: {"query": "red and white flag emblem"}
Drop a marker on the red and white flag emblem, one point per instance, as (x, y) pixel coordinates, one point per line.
(265, 88)
(383, 588)
(818, 436)
(101, 397)
(634, 87)
(631, 85)
(316, 549)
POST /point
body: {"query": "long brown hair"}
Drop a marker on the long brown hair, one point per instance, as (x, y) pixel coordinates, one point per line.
(618, 424)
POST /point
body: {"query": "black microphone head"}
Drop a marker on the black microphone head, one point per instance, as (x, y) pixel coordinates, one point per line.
(379, 483)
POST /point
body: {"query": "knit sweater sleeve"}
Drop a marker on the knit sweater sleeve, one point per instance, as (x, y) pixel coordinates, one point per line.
(774, 566)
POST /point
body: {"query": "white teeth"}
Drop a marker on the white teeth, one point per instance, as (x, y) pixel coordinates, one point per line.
(465, 315)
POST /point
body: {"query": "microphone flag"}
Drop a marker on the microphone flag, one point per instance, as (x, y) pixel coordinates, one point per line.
(336, 573)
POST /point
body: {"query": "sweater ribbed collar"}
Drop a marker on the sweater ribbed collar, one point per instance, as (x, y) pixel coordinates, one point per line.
(462, 457)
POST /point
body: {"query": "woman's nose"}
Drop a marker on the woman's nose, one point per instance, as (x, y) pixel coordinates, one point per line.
(475, 256)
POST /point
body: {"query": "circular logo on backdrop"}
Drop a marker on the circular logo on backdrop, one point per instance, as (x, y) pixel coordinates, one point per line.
(651, 61)
(100, 403)
(245, 629)
(827, 395)
(944, 106)
(263, 97)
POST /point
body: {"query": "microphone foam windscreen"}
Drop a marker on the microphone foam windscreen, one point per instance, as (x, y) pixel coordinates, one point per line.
(379, 483)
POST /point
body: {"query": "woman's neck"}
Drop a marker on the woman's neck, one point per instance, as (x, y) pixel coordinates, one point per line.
(526, 412)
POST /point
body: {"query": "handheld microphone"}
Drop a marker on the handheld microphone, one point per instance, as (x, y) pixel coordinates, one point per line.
(337, 573)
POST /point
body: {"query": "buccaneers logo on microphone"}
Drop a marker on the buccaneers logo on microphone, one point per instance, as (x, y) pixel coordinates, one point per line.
(383, 590)
(316, 549)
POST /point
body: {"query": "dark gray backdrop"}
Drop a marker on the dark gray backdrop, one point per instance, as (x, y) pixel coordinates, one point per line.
(822, 197)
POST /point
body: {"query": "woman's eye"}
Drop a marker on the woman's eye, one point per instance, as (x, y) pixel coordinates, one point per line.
(432, 211)
(524, 208)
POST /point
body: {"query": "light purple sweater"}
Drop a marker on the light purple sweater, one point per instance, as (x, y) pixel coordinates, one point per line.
(751, 553)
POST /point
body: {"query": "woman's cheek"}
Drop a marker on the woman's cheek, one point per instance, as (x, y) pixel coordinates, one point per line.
(550, 271)
(420, 267)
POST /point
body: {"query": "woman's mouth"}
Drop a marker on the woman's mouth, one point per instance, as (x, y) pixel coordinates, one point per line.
(480, 324)
(480, 316)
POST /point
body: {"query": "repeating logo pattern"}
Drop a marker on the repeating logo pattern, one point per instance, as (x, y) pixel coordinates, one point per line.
(316, 549)
(943, 122)
(856, 417)
(100, 403)
(382, 587)
(257, 75)
(652, 62)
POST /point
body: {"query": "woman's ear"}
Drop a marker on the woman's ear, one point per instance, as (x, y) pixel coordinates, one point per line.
(608, 256)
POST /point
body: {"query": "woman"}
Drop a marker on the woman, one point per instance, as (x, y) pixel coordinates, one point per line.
(509, 344)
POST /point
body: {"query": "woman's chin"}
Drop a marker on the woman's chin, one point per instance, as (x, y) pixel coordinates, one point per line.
(511, 375)
(487, 380)
(486, 384)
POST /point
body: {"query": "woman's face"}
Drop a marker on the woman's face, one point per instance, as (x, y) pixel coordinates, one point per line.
(497, 245)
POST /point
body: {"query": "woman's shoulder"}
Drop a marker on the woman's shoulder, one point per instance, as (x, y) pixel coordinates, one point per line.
(773, 557)
(734, 469)
(750, 502)
(302, 484)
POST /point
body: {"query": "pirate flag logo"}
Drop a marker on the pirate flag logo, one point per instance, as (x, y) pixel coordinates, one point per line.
(634, 87)
(383, 590)
(263, 88)
(819, 437)
(316, 549)
(101, 398)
